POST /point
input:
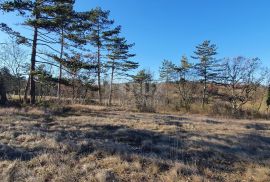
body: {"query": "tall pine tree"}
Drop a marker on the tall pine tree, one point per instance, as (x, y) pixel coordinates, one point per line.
(119, 63)
(100, 31)
(207, 67)
(39, 15)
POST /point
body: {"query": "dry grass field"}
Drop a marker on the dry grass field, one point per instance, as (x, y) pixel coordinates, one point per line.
(93, 143)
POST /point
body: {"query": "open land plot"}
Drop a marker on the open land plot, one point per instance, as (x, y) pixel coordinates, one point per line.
(94, 143)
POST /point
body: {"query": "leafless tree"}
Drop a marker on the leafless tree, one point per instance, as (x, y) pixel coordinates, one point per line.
(13, 57)
(241, 80)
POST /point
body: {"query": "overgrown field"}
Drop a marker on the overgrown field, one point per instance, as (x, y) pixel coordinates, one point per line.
(92, 143)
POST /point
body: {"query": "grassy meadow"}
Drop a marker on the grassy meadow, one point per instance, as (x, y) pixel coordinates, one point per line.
(100, 144)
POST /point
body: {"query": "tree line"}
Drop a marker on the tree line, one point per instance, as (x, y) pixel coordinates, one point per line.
(202, 83)
(79, 55)
(236, 81)
(81, 44)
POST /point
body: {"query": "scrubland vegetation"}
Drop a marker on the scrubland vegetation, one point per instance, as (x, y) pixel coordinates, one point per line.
(78, 108)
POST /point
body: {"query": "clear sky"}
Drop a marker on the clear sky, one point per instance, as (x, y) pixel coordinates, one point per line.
(168, 29)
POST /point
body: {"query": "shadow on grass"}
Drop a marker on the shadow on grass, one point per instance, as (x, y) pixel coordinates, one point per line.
(217, 153)
(209, 121)
(13, 153)
(68, 111)
(258, 126)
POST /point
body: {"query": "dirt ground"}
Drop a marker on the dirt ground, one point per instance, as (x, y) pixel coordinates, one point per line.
(94, 143)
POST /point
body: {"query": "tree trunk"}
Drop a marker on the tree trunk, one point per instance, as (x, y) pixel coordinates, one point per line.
(111, 85)
(85, 94)
(60, 66)
(26, 90)
(73, 88)
(234, 101)
(3, 94)
(204, 93)
(32, 69)
(167, 92)
(19, 89)
(99, 79)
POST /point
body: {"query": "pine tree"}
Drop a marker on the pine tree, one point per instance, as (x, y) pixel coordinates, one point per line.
(75, 64)
(185, 66)
(207, 68)
(98, 35)
(64, 17)
(38, 15)
(185, 89)
(119, 62)
(166, 72)
(144, 95)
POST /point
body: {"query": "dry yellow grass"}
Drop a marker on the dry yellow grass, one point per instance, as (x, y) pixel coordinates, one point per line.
(95, 143)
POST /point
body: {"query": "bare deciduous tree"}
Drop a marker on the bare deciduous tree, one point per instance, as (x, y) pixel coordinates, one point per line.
(241, 80)
(13, 57)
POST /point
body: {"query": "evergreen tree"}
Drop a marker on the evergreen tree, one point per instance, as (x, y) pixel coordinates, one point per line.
(38, 15)
(208, 68)
(98, 36)
(64, 18)
(119, 62)
(184, 67)
(70, 27)
(167, 71)
(144, 90)
(185, 86)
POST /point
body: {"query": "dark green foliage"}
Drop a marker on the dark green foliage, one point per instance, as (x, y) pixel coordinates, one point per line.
(167, 74)
(207, 68)
(34, 17)
(4, 73)
(8, 83)
(100, 27)
(50, 15)
(167, 71)
(119, 55)
(144, 90)
(142, 76)
(75, 63)
(98, 36)
(54, 23)
(186, 88)
(183, 69)
(18, 37)
(268, 98)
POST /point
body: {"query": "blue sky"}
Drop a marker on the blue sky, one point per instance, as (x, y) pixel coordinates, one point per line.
(168, 29)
